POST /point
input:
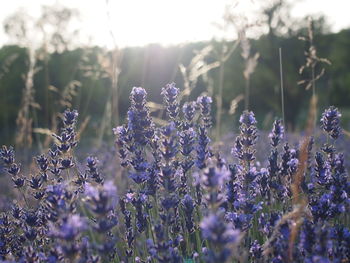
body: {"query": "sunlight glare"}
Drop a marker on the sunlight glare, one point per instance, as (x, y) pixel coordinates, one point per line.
(165, 22)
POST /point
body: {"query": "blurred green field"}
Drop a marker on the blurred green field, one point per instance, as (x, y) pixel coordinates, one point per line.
(36, 84)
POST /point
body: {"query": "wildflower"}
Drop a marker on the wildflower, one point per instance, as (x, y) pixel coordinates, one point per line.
(66, 139)
(340, 235)
(203, 152)
(187, 140)
(129, 233)
(122, 142)
(221, 235)
(139, 121)
(293, 165)
(7, 155)
(56, 195)
(330, 122)
(170, 93)
(188, 207)
(169, 202)
(141, 216)
(153, 180)
(70, 117)
(167, 178)
(13, 169)
(30, 233)
(322, 170)
(204, 104)
(189, 110)
(232, 186)
(247, 119)
(286, 158)
(16, 212)
(66, 163)
(255, 251)
(106, 224)
(214, 177)
(70, 228)
(102, 199)
(245, 142)
(217, 231)
(169, 142)
(18, 181)
(162, 250)
(31, 218)
(277, 133)
(138, 97)
(239, 220)
(307, 238)
(321, 208)
(264, 183)
(91, 163)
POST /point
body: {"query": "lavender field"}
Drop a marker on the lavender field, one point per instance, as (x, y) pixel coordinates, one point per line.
(174, 131)
(177, 199)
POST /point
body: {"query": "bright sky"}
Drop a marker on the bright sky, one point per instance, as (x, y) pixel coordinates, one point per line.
(139, 22)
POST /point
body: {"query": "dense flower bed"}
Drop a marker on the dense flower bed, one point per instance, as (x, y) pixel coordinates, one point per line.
(184, 202)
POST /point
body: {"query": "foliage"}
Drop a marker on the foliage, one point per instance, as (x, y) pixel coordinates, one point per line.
(153, 66)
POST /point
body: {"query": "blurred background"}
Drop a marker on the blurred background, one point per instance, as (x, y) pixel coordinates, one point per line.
(88, 55)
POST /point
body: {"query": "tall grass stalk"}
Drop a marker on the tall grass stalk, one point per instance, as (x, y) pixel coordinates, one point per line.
(312, 61)
(196, 69)
(250, 64)
(282, 88)
(225, 54)
(27, 112)
(299, 200)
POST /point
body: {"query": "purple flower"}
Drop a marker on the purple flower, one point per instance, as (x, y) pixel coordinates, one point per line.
(220, 235)
(256, 251)
(239, 220)
(244, 143)
(170, 93)
(35, 182)
(42, 162)
(247, 118)
(7, 155)
(13, 169)
(122, 141)
(214, 177)
(138, 97)
(139, 177)
(203, 152)
(140, 125)
(204, 104)
(322, 170)
(170, 201)
(70, 117)
(330, 122)
(67, 163)
(189, 109)
(277, 133)
(91, 163)
(70, 228)
(217, 231)
(293, 165)
(102, 199)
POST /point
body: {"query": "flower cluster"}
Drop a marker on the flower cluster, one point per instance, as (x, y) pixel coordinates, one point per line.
(179, 199)
(170, 93)
(61, 213)
(330, 122)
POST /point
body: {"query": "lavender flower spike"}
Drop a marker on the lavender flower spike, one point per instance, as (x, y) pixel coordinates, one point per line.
(330, 122)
